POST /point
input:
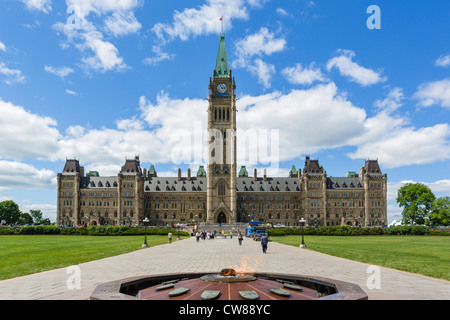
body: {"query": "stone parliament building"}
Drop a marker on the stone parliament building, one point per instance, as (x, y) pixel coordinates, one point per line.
(219, 193)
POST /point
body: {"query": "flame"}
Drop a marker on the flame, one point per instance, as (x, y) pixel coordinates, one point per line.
(245, 268)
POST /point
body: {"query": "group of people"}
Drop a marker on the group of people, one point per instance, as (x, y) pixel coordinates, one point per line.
(206, 235)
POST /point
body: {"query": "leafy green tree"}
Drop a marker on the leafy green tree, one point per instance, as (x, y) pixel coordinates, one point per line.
(440, 214)
(25, 218)
(9, 211)
(37, 216)
(417, 201)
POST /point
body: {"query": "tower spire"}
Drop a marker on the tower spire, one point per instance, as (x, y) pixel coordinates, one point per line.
(222, 69)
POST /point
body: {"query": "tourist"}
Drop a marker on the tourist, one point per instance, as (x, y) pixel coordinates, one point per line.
(264, 242)
(231, 235)
(240, 238)
(170, 237)
(197, 235)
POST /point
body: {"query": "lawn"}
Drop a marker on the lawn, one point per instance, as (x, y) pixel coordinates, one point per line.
(22, 255)
(427, 255)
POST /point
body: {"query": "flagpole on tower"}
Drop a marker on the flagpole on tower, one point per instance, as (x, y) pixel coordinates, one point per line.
(221, 20)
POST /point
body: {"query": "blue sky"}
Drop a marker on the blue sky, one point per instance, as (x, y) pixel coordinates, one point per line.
(133, 77)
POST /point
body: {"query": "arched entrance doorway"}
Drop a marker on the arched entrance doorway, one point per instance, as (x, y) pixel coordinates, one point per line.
(222, 218)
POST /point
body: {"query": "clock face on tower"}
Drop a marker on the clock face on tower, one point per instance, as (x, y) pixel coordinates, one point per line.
(222, 88)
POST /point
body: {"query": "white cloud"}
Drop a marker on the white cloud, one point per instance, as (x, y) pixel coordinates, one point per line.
(17, 175)
(116, 18)
(263, 71)
(40, 5)
(321, 109)
(303, 75)
(443, 61)
(249, 52)
(35, 138)
(2, 47)
(353, 71)
(159, 56)
(12, 76)
(282, 12)
(434, 93)
(407, 146)
(61, 72)
(122, 23)
(392, 102)
(261, 43)
(71, 92)
(193, 22)
(106, 56)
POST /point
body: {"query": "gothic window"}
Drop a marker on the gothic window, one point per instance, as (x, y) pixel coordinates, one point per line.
(221, 189)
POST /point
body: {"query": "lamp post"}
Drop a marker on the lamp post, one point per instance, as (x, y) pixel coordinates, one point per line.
(145, 245)
(178, 238)
(302, 223)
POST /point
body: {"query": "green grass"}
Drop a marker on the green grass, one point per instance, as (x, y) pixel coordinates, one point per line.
(23, 255)
(426, 255)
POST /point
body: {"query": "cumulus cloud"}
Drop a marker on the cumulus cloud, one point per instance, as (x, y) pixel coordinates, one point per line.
(443, 61)
(40, 5)
(303, 75)
(11, 76)
(251, 49)
(61, 72)
(356, 73)
(36, 137)
(93, 19)
(17, 175)
(434, 93)
(203, 20)
(2, 47)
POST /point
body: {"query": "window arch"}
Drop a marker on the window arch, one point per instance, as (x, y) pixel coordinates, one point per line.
(221, 188)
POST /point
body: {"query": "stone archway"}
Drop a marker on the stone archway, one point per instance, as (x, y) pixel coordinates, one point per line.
(221, 218)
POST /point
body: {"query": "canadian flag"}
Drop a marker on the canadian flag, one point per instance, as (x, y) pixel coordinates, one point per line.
(221, 19)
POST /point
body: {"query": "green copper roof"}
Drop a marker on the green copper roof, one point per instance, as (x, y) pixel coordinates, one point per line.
(243, 172)
(350, 174)
(94, 174)
(222, 70)
(151, 170)
(201, 172)
(294, 170)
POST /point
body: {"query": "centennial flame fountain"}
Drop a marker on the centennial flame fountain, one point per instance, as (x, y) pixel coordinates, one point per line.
(228, 285)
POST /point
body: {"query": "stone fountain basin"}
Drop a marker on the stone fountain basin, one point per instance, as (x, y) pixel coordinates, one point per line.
(325, 288)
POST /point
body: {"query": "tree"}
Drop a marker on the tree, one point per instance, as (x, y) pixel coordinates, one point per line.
(440, 213)
(9, 211)
(417, 201)
(25, 218)
(37, 216)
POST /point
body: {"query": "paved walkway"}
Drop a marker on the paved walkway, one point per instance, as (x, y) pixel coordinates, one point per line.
(214, 255)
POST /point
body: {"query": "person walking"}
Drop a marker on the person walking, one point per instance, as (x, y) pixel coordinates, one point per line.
(231, 234)
(197, 235)
(170, 236)
(264, 242)
(240, 238)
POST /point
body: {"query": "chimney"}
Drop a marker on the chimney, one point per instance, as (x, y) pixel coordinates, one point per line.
(255, 176)
(265, 175)
(189, 174)
(179, 174)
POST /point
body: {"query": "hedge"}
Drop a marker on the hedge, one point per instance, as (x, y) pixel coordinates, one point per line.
(350, 231)
(90, 230)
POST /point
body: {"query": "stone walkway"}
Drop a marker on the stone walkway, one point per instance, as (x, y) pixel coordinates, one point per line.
(214, 255)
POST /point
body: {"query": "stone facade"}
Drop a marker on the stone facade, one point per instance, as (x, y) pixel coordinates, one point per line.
(220, 194)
